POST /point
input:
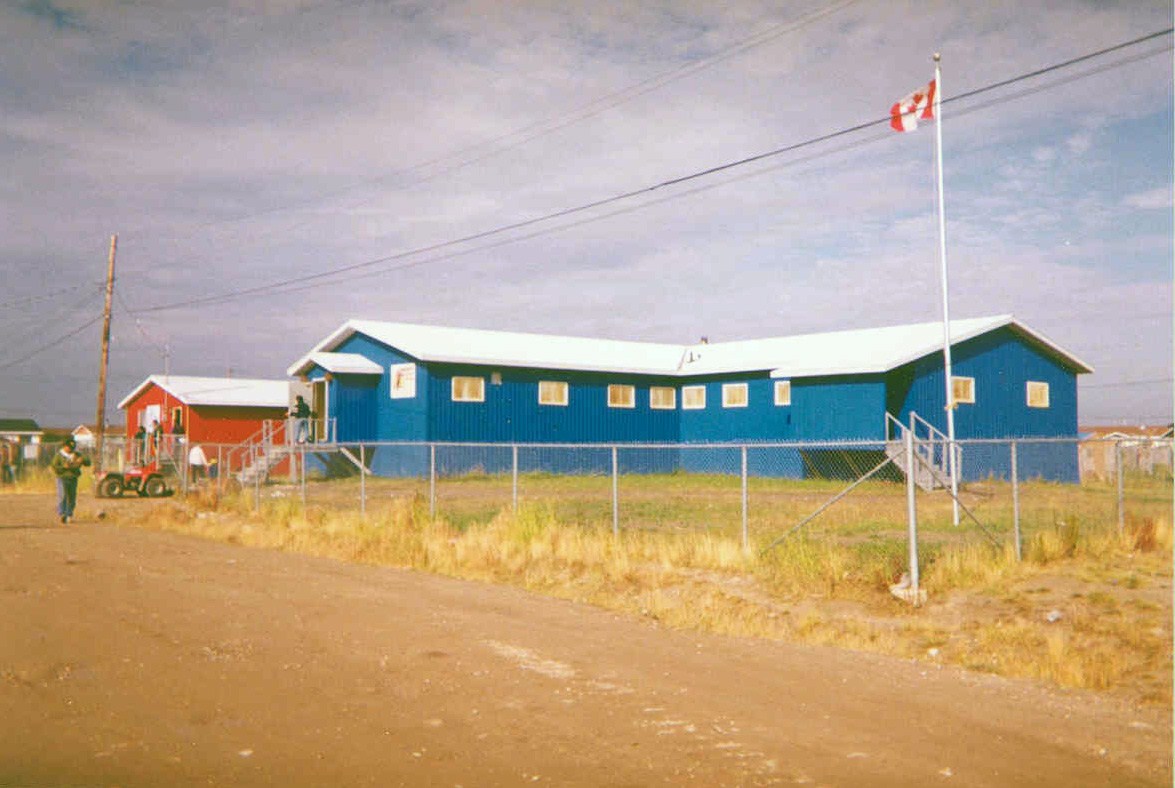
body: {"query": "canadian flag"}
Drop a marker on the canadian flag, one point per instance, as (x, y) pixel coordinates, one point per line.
(919, 105)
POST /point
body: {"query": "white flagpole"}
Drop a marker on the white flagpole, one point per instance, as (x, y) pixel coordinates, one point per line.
(946, 310)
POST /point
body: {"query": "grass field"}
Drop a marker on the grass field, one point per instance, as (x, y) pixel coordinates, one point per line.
(1088, 607)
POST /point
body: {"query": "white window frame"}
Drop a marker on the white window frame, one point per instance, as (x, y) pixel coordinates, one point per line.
(686, 391)
(971, 386)
(479, 394)
(1042, 389)
(672, 394)
(728, 390)
(629, 401)
(557, 386)
(782, 393)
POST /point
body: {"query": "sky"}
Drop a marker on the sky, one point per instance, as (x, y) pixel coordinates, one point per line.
(235, 145)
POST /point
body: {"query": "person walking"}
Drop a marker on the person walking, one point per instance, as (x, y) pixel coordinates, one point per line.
(139, 446)
(67, 466)
(156, 439)
(7, 462)
(197, 461)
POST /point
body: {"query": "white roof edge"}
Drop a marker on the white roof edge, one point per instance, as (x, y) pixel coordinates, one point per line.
(1053, 346)
(164, 382)
(346, 363)
(996, 321)
(333, 340)
(974, 327)
(137, 391)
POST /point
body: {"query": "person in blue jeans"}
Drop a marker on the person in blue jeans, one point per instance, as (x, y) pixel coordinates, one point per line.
(301, 415)
(67, 466)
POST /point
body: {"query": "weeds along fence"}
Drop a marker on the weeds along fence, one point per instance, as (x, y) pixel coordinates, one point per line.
(1010, 489)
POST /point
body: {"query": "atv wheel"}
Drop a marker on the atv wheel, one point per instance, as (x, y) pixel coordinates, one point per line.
(155, 487)
(110, 487)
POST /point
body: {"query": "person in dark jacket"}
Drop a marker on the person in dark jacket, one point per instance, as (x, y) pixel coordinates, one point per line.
(300, 415)
(140, 447)
(67, 466)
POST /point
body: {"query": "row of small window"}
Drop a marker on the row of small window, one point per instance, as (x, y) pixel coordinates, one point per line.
(963, 392)
(555, 392)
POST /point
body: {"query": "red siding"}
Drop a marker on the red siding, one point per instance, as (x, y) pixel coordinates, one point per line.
(202, 423)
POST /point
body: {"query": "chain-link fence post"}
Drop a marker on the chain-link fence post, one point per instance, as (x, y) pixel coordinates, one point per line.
(746, 536)
(302, 477)
(432, 481)
(912, 512)
(362, 480)
(514, 477)
(615, 492)
(1016, 504)
(256, 480)
(1121, 487)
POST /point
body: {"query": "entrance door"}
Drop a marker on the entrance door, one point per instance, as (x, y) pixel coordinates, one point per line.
(318, 404)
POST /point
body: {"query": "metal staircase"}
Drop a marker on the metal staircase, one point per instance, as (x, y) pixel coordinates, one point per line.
(252, 460)
(932, 447)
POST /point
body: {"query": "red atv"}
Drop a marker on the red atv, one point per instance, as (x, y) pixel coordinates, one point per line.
(145, 480)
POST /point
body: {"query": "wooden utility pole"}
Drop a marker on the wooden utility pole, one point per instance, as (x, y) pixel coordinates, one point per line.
(100, 418)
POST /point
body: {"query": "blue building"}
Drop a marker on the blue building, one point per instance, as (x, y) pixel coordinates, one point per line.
(381, 381)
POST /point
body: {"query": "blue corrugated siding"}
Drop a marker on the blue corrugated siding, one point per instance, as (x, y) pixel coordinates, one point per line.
(821, 409)
(1002, 363)
(385, 419)
(353, 406)
(824, 409)
(511, 412)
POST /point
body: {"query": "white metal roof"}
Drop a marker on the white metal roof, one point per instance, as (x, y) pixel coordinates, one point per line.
(346, 363)
(506, 348)
(860, 351)
(232, 392)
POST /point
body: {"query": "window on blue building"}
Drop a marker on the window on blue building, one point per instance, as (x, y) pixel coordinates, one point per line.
(1038, 394)
(693, 397)
(552, 392)
(963, 390)
(621, 396)
(782, 392)
(662, 398)
(469, 389)
(734, 395)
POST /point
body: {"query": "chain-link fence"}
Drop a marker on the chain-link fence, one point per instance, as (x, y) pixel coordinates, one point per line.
(756, 492)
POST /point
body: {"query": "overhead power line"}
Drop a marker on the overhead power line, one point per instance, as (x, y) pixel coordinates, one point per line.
(1124, 383)
(281, 284)
(483, 150)
(49, 345)
(37, 298)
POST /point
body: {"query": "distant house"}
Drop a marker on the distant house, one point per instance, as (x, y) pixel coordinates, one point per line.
(205, 410)
(84, 436)
(379, 381)
(27, 434)
(21, 430)
(1146, 449)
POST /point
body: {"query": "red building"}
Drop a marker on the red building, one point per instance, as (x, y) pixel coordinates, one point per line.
(209, 411)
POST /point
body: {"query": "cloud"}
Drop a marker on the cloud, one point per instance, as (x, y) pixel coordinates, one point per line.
(1152, 199)
(232, 144)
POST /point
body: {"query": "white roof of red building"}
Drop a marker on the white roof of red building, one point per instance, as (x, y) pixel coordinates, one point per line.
(228, 392)
(858, 351)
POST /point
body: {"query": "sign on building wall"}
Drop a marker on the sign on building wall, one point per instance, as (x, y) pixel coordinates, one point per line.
(403, 381)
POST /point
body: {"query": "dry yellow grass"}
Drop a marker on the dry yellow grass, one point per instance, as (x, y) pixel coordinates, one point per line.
(823, 588)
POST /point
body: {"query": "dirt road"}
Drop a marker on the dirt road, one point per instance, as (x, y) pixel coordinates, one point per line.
(137, 658)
